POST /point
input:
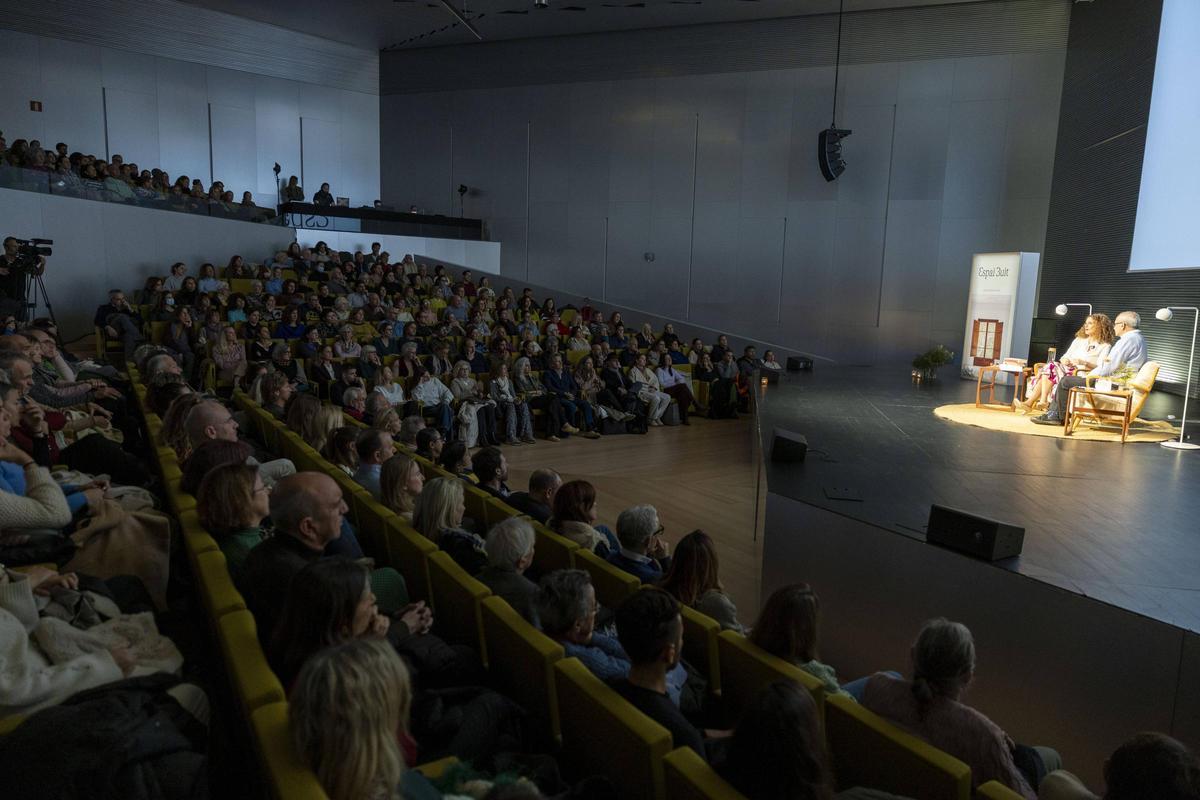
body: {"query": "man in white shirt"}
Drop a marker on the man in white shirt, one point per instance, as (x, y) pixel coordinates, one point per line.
(1129, 350)
(435, 396)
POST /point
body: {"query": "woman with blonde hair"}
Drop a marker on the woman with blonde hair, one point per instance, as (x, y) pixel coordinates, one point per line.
(476, 413)
(388, 421)
(438, 516)
(348, 714)
(401, 482)
(229, 354)
(320, 425)
(1088, 350)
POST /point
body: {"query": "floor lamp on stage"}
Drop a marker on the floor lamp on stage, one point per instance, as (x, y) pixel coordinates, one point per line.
(1165, 314)
(1061, 308)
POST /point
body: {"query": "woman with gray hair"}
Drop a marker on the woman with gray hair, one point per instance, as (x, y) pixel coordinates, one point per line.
(930, 705)
(509, 548)
(476, 413)
(346, 346)
(438, 515)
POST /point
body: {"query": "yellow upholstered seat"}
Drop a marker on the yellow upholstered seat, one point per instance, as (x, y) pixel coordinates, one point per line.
(1120, 405)
(217, 591)
(521, 663)
(496, 510)
(612, 584)
(435, 769)
(455, 597)
(602, 734)
(700, 635)
(9, 724)
(253, 681)
(476, 502)
(551, 551)
(288, 778)
(747, 669)
(867, 750)
(408, 552)
(370, 519)
(995, 790)
(689, 777)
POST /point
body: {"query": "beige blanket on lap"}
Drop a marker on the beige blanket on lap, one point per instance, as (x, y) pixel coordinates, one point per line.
(119, 542)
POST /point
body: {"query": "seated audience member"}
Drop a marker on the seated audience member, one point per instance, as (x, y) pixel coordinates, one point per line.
(348, 377)
(1148, 765)
(388, 422)
(561, 384)
(646, 386)
(650, 631)
(749, 363)
(438, 516)
(119, 320)
(491, 470)
(574, 517)
(309, 348)
(566, 609)
(430, 444)
(346, 346)
(387, 387)
(518, 424)
(435, 398)
(47, 660)
(348, 718)
(374, 448)
(1129, 351)
(538, 501)
(328, 602)
(229, 354)
(207, 455)
(210, 420)
(282, 361)
(323, 197)
(769, 362)
(476, 413)
(643, 552)
(290, 326)
(930, 705)
(509, 548)
(673, 382)
(456, 459)
(1091, 346)
(369, 364)
(777, 752)
(694, 580)
(787, 627)
(324, 369)
(401, 482)
(232, 503)
(410, 426)
(276, 391)
(341, 448)
(535, 394)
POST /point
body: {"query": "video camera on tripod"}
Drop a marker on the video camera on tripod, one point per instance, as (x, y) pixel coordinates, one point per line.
(31, 251)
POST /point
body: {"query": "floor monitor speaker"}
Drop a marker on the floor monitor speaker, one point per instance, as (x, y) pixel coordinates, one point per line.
(974, 535)
(788, 446)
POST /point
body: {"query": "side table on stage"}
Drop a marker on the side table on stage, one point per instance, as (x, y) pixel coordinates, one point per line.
(987, 383)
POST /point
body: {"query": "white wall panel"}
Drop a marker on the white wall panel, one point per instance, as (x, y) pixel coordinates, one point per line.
(321, 154)
(234, 148)
(19, 54)
(132, 72)
(133, 126)
(71, 97)
(359, 143)
(230, 88)
(183, 120)
(16, 90)
(277, 131)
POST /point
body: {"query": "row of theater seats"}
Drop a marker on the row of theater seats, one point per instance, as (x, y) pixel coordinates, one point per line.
(596, 731)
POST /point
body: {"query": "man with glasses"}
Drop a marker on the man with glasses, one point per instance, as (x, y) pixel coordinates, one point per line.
(1129, 351)
(643, 553)
(210, 420)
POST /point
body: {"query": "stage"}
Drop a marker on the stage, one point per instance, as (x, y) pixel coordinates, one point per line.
(1086, 638)
(1118, 523)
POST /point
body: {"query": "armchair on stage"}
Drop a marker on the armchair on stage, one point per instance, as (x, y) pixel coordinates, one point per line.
(1119, 405)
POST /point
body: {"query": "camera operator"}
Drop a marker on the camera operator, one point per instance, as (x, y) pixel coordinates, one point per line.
(16, 263)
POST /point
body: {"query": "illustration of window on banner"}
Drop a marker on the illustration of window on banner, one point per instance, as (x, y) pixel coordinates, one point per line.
(999, 311)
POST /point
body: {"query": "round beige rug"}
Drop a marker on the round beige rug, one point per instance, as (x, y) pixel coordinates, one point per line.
(1010, 422)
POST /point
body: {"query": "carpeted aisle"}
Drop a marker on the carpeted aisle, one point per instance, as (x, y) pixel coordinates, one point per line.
(1009, 422)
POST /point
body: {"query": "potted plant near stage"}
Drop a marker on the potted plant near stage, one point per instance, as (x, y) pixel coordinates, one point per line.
(925, 365)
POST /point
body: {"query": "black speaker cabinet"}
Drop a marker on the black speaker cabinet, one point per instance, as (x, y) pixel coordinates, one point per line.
(973, 535)
(788, 446)
(797, 363)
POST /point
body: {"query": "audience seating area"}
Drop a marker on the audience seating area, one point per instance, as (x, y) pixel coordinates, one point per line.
(595, 730)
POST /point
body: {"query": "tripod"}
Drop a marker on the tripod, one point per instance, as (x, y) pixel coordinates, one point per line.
(35, 288)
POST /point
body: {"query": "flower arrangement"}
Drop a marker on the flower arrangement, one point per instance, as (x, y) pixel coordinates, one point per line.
(926, 364)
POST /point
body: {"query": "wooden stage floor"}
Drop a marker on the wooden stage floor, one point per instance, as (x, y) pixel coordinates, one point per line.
(697, 476)
(1118, 523)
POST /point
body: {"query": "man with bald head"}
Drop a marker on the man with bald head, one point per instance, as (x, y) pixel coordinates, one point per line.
(1129, 351)
(210, 420)
(307, 509)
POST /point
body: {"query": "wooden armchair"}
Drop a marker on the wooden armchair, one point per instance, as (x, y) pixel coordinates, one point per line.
(1120, 405)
